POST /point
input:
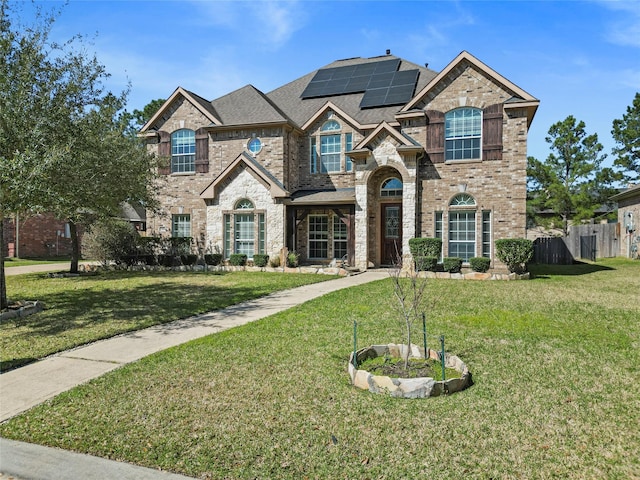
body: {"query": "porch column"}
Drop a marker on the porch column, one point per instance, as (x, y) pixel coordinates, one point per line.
(361, 226)
(408, 220)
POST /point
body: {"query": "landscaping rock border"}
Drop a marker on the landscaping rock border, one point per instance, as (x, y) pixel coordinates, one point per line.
(320, 270)
(23, 309)
(421, 387)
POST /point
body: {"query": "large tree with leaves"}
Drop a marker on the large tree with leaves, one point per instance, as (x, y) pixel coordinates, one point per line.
(571, 182)
(626, 133)
(100, 168)
(62, 147)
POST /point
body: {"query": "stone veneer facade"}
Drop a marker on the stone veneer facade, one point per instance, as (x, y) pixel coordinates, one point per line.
(270, 178)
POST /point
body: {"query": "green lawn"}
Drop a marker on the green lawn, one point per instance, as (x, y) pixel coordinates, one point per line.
(83, 309)
(555, 360)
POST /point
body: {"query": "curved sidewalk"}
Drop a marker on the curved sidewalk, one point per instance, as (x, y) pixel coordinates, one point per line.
(25, 387)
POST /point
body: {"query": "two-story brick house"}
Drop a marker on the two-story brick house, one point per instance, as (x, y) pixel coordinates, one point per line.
(349, 162)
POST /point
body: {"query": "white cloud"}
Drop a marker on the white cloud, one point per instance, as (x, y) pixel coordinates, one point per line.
(268, 23)
(624, 31)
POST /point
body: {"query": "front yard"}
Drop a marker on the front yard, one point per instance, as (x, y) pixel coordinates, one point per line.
(87, 308)
(555, 362)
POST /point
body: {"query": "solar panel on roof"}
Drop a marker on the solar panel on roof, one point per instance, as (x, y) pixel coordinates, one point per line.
(381, 82)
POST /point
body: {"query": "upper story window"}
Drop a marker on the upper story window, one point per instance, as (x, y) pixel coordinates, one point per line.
(254, 145)
(183, 151)
(328, 149)
(392, 187)
(463, 131)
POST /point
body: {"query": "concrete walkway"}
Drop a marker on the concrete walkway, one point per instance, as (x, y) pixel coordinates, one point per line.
(25, 387)
(43, 267)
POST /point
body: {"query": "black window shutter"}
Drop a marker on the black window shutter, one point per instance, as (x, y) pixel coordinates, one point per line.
(202, 151)
(164, 152)
(435, 136)
(492, 132)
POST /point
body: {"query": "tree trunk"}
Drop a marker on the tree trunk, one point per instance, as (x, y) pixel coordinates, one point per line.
(3, 286)
(75, 246)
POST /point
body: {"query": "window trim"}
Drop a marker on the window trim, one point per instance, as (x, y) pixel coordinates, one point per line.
(459, 132)
(178, 222)
(252, 141)
(454, 216)
(342, 240)
(230, 219)
(181, 162)
(319, 240)
(391, 192)
(318, 160)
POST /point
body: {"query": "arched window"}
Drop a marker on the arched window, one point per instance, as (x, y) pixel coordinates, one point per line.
(330, 126)
(463, 130)
(244, 204)
(462, 227)
(391, 187)
(463, 200)
(183, 151)
(244, 230)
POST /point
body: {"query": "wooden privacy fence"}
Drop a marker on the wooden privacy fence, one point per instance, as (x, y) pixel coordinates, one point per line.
(586, 242)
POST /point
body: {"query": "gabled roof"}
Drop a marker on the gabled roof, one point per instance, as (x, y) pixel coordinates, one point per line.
(262, 175)
(520, 97)
(247, 106)
(197, 101)
(406, 142)
(325, 108)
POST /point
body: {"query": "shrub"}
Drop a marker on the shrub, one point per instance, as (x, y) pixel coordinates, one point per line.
(452, 264)
(110, 240)
(293, 259)
(480, 264)
(425, 247)
(514, 253)
(238, 259)
(260, 259)
(426, 264)
(274, 262)
(149, 245)
(168, 260)
(189, 259)
(213, 258)
(176, 245)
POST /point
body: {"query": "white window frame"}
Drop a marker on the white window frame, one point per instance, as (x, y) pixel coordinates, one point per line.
(183, 151)
(463, 134)
(181, 225)
(340, 238)
(318, 238)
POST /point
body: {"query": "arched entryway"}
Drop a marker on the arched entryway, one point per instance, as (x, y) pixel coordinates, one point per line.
(386, 190)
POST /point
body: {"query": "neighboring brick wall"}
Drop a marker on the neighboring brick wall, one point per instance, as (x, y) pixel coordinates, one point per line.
(37, 237)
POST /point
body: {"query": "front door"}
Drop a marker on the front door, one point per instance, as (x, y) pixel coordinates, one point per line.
(391, 233)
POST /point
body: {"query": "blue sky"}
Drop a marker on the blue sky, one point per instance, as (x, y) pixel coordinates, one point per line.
(579, 58)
